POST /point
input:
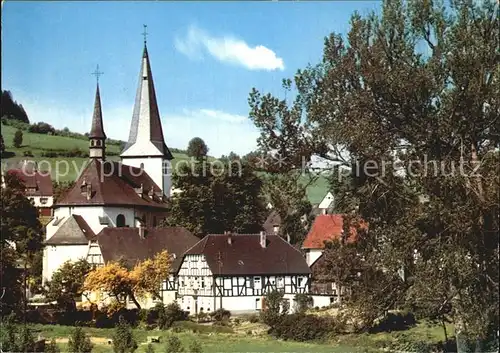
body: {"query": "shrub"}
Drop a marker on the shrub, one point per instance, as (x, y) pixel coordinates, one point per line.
(172, 312)
(150, 349)
(276, 308)
(123, 338)
(195, 347)
(42, 128)
(397, 321)
(79, 342)
(26, 340)
(220, 315)
(174, 345)
(9, 339)
(300, 327)
(203, 316)
(52, 347)
(18, 139)
(303, 302)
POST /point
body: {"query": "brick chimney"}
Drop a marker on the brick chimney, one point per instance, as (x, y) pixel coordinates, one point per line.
(263, 239)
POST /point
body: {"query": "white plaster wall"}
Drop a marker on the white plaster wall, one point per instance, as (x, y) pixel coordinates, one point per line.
(321, 300)
(55, 256)
(312, 255)
(37, 201)
(327, 200)
(153, 166)
(91, 215)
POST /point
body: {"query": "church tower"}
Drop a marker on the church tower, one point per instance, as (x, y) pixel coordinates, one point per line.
(146, 146)
(97, 137)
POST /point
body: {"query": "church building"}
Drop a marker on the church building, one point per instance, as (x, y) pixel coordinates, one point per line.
(130, 193)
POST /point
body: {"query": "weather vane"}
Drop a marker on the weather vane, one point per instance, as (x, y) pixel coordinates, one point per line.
(97, 73)
(145, 33)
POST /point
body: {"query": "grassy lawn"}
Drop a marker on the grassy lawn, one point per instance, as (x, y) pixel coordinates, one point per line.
(240, 340)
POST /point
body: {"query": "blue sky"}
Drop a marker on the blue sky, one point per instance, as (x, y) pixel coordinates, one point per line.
(205, 57)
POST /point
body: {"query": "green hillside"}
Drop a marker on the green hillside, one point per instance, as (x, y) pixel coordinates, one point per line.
(68, 167)
(38, 144)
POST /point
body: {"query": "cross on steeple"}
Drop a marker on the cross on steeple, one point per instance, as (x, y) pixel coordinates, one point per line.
(97, 73)
(145, 33)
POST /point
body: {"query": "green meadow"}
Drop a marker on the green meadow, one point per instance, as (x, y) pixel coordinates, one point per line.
(68, 168)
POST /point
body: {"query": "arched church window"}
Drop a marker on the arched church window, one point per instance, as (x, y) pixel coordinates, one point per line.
(120, 220)
(92, 142)
(141, 166)
(98, 142)
(154, 221)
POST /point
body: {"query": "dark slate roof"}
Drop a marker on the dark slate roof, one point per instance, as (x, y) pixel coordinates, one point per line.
(272, 220)
(113, 183)
(245, 256)
(97, 129)
(125, 243)
(74, 231)
(155, 128)
(37, 183)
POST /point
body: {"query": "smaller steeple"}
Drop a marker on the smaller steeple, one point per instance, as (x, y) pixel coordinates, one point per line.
(97, 137)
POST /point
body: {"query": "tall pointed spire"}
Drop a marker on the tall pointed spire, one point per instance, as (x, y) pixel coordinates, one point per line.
(97, 137)
(97, 129)
(146, 134)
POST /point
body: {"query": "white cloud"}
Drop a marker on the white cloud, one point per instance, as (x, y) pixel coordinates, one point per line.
(228, 49)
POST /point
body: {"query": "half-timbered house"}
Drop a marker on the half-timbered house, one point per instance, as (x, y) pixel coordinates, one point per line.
(235, 271)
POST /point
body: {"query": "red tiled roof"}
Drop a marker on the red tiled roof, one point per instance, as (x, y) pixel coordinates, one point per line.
(125, 243)
(326, 227)
(245, 256)
(37, 183)
(112, 183)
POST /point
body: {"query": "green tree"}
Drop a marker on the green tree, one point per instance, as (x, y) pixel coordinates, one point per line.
(414, 89)
(67, 284)
(287, 194)
(217, 197)
(197, 148)
(303, 302)
(123, 338)
(174, 345)
(340, 263)
(21, 239)
(276, 308)
(18, 139)
(79, 342)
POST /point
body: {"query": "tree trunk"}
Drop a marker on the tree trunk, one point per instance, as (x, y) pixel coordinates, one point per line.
(136, 303)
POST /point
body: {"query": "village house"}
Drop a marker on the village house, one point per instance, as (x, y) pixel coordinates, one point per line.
(38, 186)
(326, 227)
(236, 271)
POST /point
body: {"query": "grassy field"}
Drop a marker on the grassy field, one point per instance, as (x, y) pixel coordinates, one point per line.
(67, 169)
(241, 340)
